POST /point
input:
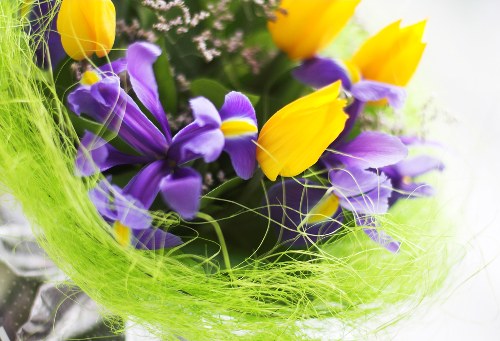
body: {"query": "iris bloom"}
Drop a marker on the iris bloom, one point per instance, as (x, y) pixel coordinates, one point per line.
(309, 211)
(100, 96)
(87, 27)
(129, 218)
(305, 211)
(48, 47)
(302, 28)
(404, 173)
(294, 138)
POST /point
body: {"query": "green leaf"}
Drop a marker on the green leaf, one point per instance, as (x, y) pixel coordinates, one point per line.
(210, 89)
(216, 92)
(166, 82)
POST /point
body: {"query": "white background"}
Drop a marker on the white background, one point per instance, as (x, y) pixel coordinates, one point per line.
(462, 69)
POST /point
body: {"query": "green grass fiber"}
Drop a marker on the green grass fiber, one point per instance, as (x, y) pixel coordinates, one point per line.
(350, 279)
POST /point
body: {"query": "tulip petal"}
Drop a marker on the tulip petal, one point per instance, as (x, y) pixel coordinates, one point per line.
(303, 27)
(87, 27)
(182, 191)
(392, 55)
(294, 138)
(101, 15)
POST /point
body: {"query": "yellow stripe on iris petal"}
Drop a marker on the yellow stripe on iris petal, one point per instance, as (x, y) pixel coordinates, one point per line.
(90, 78)
(236, 128)
(123, 234)
(294, 138)
(324, 209)
(304, 27)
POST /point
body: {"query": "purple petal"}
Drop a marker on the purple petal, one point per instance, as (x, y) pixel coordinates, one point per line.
(109, 105)
(319, 72)
(45, 38)
(114, 68)
(145, 186)
(205, 112)
(154, 239)
(361, 191)
(140, 58)
(195, 141)
(289, 204)
(242, 152)
(416, 190)
(383, 239)
(130, 212)
(419, 165)
(374, 202)
(237, 106)
(101, 198)
(367, 91)
(371, 150)
(351, 182)
(96, 154)
(182, 191)
(354, 110)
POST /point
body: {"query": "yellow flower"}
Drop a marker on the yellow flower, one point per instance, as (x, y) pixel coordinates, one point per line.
(87, 27)
(392, 55)
(294, 138)
(303, 27)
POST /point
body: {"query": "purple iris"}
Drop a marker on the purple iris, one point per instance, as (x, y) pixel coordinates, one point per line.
(403, 176)
(129, 218)
(46, 40)
(306, 211)
(319, 72)
(232, 129)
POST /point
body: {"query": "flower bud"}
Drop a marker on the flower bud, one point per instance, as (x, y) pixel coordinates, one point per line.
(87, 27)
(294, 138)
(301, 28)
(392, 55)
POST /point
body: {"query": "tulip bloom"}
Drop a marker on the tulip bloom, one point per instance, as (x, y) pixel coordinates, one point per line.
(304, 27)
(294, 138)
(392, 55)
(87, 27)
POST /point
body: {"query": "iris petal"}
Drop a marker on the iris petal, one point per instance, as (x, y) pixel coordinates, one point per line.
(182, 191)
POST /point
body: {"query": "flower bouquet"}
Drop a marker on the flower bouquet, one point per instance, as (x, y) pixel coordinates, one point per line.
(198, 167)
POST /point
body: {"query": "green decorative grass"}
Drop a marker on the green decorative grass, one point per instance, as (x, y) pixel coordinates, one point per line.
(172, 292)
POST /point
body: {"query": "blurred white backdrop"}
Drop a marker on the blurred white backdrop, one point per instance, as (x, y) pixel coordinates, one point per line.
(461, 67)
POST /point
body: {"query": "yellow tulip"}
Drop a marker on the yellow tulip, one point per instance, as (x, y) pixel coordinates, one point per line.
(87, 27)
(294, 138)
(302, 28)
(392, 55)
